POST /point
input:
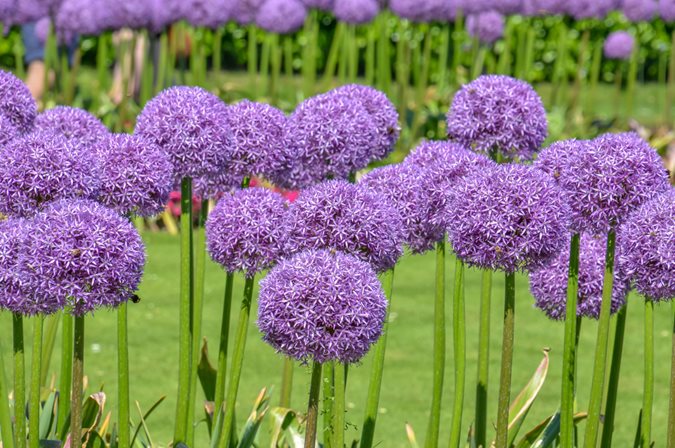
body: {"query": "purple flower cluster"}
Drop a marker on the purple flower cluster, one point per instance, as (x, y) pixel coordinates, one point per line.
(508, 217)
(420, 11)
(13, 285)
(17, 105)
(356, 12)
(322, 306)
(589, 9)
(619, 45)
(341, 216)
(136, 175)
(667, 10)
(192, 126)
(647, 240)
(74, 124)
(487, 27)
(281, 16)
(548, 283)
(7, 130)
(244, 11)
(324, 5)
(639, 10)
(245, 231)
(498, 114)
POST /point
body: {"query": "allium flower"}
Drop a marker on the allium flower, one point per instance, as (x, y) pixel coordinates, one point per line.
(342, 216)
(82, 256)
(244, 11)
(164, 12)
(214, 185)
(74, 124)
(508, 7)
(245, 231)
(619, 45)
(42, 167)
(356, 12)
(639, 10)
(487, 27)
(589, 9)
(192, 126)
(322, 306)
(604, 180)
(136, 175)
(8, 131)
(419, 10)
(327, 136)
(281, 16)
(324, 5)
(667, 10)
(647, 240)
(498, 113)
(209, 13)
(129, 14)
(383, 113)
(555, 159)
(508, 217)
(16, 102)
(548, 283)
(13, 287)
(541, 7)
(82, 16)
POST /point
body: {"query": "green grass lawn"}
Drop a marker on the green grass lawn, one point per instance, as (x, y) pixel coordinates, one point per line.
(406, 393)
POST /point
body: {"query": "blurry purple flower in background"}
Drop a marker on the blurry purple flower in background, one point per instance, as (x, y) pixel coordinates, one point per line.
(487, 27)
(647, 242)
(73, 124)
(420, 10)
(245, 230)
(639, 10)
(16, 102)
(86, 17)
(667, 10)
(541, 7)
(345, 217)
(324, 5)
(548, 283)
(209, 13)
(589, 9)
(133, 14)
(498, 113)
(508, 217)
(41, 167)
(244, 11)
(322, 306)
(619, 45)
(136, 175)
(356, 12)
(281, 16)
(81, 256)
(13, 285)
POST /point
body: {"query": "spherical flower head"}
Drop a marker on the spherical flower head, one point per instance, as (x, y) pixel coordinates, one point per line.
(605, 179)
(356, 12)
(41, 167)
(192, 126)
(13, 286)
(342, 216)
(647, 240)
(136, 176)
(324, 5)
(498, 113)
(73, 124)
(639, 10)
(619, 45)
(8, 131)
(487, 27)
(383, 113)
(322, 306)
(589, 9)
(209, 13)
(244, 11)
(82, 16)
(214, 185)
(541, 7)
(30, 11)
(554, 159)
(132, 14)
(419, 10)
(17, 103)
(548, 283)
(281, 16)
(327, 136)
(667, 10)
(508, 217)
(245, 231)
(508, 7)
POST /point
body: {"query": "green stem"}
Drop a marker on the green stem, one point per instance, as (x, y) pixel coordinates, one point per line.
(376, 371)
(478, 62)
(5, 414)
(671, 407)
(595, 78)
(569, 348)
(483, 359)
(19, 67)
(313, 406)
(423, 79)
(309, 54)
(252, 62)
(124, 416)
(71, 82)
(65, 373)
(286, 383)
(19, 381)
(163, 62)
(265, 65)
(383, 59)
(50, 61)
(218, 49)
(353, 49)
(339, 406)
(670, 91)
(288, 57)
(559, 69)
(78, 374)
(648, 399)
(333, 53)
(504, 64)
(529, 53)
(459, 342)
(443, 55)
(237, 364)
(439, 347)
(458, 40)
(36, 368)
(613, 383)
(632, 81)
(371, 35)
(186, 309)
(275, 56)
(344, 58)
(328, 403)
(52, 326)
(579, 80)
(507, 360)
(402, 72)
(600, 363)
(222, 352)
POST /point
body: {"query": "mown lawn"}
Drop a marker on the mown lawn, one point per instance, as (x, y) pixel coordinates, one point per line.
(407, 378)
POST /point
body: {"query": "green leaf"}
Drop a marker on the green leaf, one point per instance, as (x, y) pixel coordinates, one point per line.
(284, 430)
(207, 374)
(91, 414)
(47, 416)
(545, 433)
(410, 432)
(260, 408)
(145, 416)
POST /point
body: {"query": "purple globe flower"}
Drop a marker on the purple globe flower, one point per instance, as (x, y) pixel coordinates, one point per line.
(192, 126)
(327, 136)
(383, 113)
(604, 180)
(322, 306)
(508, 217)
(30, 11)
(324, 5)
(245, 231)
(136, 176)
(619, 45)
(164, 12)
(132, 14)
(281, 16)
(7, 12)
(342, 216)
(82, 256)
(541, 7)
(17, 104)
(647, 240)
(82, 17)
(74, 124)
(215, 185)
(487, 27)
(244, 11)
(13, 286)
(667, 10)
(8, 131)
(469, 7)
(41, 167)
(508, 7)
(419, 10)
(356, 12)
(209, 13)
(548, 283)
(498, 113)
(639, 10)
(589, 9)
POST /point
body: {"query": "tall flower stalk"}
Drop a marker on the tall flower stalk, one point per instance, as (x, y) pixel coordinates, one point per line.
(439, 348)
(313, 406)
(459, 344)
(35, 383)
(124, 416)
(648, 398)
(5, 415)
(613, 382)
(507, 360)
(19, 380)
(76, 388)
(222, 350)
(480, 419)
